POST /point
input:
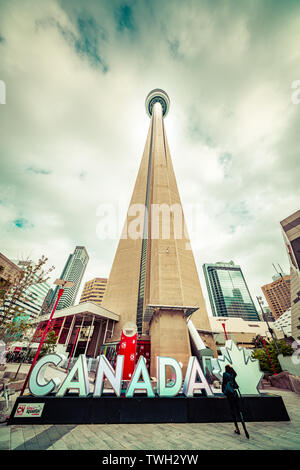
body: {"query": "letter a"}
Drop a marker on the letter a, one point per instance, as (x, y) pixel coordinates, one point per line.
(190, 383)
(141, 369)
(114, 377)
(81, 384)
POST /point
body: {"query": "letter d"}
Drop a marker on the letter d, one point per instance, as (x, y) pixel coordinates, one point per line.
(163, 389)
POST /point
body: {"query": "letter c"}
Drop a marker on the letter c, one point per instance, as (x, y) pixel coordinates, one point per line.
(38, 386)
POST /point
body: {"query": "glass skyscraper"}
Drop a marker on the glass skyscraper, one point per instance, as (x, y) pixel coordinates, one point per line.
(228, 292)
(73, 271)
(33, 297)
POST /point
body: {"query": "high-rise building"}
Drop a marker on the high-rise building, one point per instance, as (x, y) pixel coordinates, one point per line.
(267, 316)
(228, 292)
(9, 273)
(93, 290)
(73, 271)
(33, 297)
(47, 302)
(154, 280)
(283, 323)
(278, 295)
(291, 234)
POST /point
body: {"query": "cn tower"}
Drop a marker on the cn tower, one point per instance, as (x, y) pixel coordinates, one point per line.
(154, 280)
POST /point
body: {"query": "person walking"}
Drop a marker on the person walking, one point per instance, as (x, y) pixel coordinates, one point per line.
(229, 387)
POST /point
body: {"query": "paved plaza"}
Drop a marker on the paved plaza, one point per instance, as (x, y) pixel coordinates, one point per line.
(267, 436)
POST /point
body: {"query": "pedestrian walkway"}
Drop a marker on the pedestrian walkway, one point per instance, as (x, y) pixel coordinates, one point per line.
(189, 436)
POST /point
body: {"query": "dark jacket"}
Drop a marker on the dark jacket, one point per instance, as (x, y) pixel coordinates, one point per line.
(229, 384)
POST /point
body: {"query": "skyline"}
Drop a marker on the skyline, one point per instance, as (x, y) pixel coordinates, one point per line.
(76, 81)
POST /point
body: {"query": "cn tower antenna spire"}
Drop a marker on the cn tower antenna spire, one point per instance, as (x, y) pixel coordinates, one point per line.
(157, 96)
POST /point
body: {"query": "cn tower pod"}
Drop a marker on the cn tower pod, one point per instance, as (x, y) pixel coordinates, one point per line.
(157, 96)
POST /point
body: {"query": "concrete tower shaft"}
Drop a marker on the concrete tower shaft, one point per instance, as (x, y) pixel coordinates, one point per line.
(154, 280)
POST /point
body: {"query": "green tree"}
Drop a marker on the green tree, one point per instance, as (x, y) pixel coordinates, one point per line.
(49, 344)
(257, 341)
(261, 354)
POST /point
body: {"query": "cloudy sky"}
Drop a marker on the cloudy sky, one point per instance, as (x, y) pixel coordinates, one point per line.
(74, 125)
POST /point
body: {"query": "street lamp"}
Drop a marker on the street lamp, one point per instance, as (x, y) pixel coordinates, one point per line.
(261, 302)
(63, 285)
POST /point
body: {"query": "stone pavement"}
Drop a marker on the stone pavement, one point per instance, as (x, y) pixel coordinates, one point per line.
(267, 436)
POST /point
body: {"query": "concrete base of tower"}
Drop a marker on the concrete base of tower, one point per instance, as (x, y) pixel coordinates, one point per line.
(169, 337)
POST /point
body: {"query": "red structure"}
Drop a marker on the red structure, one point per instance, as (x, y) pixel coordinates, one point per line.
(143, 349)
(265, 344)
(127, 348)
(60, 292)
(223, 324)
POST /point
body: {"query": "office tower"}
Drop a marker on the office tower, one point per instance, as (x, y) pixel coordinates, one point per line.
(47, 302)
(283, 323)
(154, 280)
(52, 294)
(291, 234)
(278, 295)
(93, 290)
(73, 271)
(33, 297)
(228, 292)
